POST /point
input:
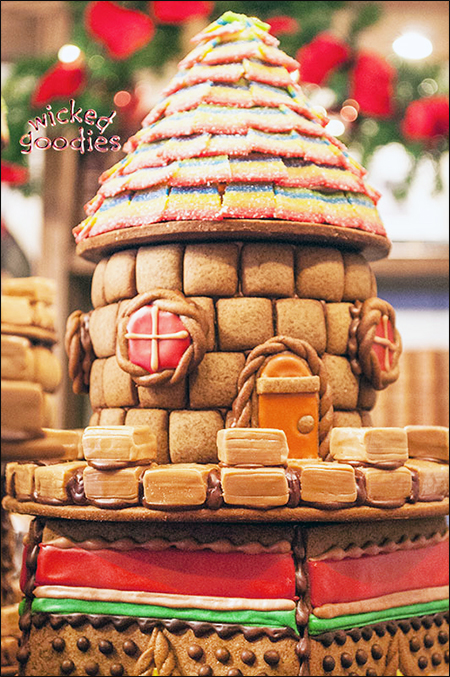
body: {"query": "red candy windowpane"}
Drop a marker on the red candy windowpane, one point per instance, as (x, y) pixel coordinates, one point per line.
(384, 343)
(157, 339)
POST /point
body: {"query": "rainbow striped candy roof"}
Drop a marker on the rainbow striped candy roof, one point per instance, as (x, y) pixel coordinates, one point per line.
(233, 137)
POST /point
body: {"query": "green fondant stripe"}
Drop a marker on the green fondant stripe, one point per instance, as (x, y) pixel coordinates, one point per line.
(268, 619)
(22, 607)
(319, 625)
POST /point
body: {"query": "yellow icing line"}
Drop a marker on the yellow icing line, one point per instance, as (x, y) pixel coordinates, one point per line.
(392, 600)
(161, 599)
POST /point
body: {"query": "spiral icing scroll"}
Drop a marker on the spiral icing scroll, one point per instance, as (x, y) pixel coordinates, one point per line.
(79, 350)
(242, 405)
(192, 317)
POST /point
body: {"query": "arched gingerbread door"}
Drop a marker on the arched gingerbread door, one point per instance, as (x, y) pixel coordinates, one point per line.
(288, 399)
(284, 385)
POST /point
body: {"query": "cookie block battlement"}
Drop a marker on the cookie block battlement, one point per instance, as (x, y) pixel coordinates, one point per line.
(367, 467)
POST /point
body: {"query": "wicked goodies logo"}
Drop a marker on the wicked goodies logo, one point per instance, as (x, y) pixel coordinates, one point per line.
(91, 137)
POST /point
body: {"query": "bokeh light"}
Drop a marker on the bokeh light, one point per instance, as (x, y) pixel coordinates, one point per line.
(69, 53)
(122, 98)
(335, 127)
(412, 45)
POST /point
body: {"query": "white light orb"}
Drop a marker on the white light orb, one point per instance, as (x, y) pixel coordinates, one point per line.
(413, 46)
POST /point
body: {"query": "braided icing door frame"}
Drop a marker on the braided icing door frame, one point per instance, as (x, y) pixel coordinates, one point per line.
(241, 412)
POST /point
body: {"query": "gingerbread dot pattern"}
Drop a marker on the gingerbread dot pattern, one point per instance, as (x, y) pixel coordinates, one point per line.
(423, 645)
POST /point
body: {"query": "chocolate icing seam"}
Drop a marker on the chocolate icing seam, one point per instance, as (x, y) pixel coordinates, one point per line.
(370, 548)
(214, 497)
(157, 544)
(380, 628)
(34, 538)
(303, 608)
(177, 626)
(352, 344)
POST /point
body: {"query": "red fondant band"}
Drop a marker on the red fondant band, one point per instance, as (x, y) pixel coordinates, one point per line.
(349, 580)
(172, 571)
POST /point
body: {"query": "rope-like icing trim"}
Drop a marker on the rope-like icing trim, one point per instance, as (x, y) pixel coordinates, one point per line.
(355, 552)
(191, 315)
(242, 405)
(157, 544)
(79, 350)
(352, 344)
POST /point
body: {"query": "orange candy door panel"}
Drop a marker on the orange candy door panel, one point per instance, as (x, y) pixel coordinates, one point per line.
(288, 400)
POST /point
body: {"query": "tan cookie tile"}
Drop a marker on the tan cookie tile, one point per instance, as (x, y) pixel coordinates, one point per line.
(267, 270)
(343, 382)
(338, 320)
(113, 416)
(192, 436)
(207, 305)
(302, 319)
(96, 392)
(98, 297)
(243, 323)
(158, 421)
(118, 386)
(102, 330)
(120, 276)
(214, 382)
(159, 267)
(319, 273)
(163, 396)
(358, 277)
(210, 270)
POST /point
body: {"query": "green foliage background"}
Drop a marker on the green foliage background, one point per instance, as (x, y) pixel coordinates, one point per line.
(107, 76)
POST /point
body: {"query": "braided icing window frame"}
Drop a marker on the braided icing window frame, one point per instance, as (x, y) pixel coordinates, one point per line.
(191, 315)
(371, 314)
(242, 405)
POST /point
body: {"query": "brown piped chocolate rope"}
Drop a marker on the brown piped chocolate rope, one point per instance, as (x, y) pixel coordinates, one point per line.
(352, 345)
(79, 350)
(242, 405)
(191, 315)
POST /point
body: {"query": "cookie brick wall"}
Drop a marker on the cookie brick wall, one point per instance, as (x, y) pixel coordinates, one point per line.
(249, 293)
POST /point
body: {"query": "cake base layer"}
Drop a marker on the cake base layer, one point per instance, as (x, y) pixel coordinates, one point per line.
(363, 514)
(119, 630)
(373, 246)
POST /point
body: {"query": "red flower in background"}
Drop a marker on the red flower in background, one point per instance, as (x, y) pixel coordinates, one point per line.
(320, 57)
(13, 174)
(283, 25)
(123, 31)
(427, 119)
(180, 12)
(372, 85)
(60, 81)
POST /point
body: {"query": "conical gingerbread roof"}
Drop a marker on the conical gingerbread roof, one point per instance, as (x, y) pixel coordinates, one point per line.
(233, 147)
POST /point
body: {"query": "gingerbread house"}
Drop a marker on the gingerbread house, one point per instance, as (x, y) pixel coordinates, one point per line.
(232, 283)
